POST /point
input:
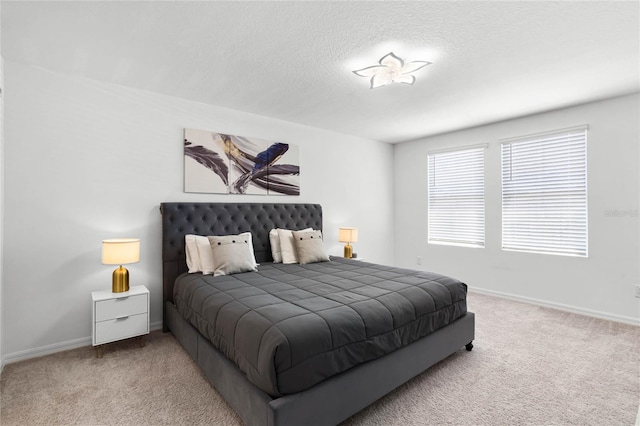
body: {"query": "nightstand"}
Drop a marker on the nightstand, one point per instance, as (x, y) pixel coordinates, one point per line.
(119, 316)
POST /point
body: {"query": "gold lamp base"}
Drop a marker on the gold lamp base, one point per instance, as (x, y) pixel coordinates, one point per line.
(120, 282)
(348, 251)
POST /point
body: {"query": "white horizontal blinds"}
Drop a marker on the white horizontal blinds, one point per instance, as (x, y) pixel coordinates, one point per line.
(456, 197)
(544, 193)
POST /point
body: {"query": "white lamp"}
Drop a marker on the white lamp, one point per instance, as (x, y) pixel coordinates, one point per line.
(348, 235)
(120, 251)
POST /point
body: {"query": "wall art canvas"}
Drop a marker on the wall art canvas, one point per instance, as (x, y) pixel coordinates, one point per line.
(228, 164)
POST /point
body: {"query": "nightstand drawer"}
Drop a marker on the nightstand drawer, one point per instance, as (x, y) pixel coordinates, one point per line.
(121, 307)
(122, 328)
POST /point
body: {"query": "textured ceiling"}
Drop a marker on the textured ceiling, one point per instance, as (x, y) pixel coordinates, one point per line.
(293, 60)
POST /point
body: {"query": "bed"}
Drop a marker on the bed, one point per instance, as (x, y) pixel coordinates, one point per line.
(296, 399)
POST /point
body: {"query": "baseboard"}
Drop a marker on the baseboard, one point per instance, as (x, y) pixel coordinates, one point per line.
(46, 350)
(57, 347)
(559, 306)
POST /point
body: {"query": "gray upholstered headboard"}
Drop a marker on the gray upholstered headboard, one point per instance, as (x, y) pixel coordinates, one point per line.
(180, 219)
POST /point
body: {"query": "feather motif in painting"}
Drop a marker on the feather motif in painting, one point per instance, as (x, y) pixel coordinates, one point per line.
(279, 185)
(208, 159)
(262, 169)
(270, 155)
(258, 169)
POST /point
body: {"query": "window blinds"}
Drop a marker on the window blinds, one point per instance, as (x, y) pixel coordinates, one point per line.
(544, 193)
(456, 197)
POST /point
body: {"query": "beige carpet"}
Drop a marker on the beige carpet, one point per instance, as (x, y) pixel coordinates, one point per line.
(530, 366)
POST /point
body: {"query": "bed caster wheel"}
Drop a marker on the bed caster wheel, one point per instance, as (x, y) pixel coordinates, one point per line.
(469, 346)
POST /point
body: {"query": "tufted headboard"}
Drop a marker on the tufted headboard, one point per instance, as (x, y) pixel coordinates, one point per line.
(180, 219)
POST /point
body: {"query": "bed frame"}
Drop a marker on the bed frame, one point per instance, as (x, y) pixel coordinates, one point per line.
(327, 403)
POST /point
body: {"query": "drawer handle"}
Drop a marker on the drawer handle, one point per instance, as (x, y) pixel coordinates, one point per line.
(122, 317)
(122, 298)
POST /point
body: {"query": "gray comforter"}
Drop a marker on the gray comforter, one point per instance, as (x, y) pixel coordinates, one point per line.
(288, 327)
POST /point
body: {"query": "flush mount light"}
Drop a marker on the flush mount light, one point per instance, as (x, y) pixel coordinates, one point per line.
(392, 69)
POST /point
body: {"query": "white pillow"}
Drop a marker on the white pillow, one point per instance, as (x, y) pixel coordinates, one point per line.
(191, 250)
(233, 254)
(207, 264)
(309, 247)
(276, 247)
(198, 253)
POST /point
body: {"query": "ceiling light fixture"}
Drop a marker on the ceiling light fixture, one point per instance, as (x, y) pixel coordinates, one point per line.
(392, 69)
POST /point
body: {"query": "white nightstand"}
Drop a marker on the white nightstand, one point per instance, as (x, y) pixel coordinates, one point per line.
(118, 316)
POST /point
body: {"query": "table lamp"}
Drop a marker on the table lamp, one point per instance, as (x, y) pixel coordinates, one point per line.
(348, 235)
(120, 251)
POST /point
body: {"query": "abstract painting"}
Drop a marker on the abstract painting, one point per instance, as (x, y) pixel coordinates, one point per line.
(228, 164)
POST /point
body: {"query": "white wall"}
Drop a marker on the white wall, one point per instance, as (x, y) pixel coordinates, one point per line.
(87, 160)
(603, 283)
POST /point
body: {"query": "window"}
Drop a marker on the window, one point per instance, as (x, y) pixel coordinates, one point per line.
(456, 197)
(544, 193)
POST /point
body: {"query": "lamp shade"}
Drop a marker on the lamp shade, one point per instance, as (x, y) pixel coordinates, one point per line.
(120, 251)
(348, 235)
